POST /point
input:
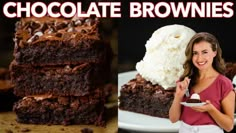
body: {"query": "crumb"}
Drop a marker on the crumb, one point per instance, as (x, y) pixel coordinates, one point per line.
(86, 130)
(62, 129)
(8, 131)
(25, 130)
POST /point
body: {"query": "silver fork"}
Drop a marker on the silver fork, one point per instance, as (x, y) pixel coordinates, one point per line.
(187, 91)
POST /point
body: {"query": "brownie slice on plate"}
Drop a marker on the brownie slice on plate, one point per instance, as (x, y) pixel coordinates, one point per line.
(140, 96)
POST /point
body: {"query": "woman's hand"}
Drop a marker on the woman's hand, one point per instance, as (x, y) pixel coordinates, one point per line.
(181, 87)
(205, 108)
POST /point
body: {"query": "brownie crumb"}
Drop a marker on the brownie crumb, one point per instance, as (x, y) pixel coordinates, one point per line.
(8, 131)
(86, 130)
(25, 130)
(62, 129)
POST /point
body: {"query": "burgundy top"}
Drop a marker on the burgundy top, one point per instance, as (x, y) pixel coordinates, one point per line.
(215, 92)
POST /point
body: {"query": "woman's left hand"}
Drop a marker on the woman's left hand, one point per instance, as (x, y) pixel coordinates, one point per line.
(205, 108)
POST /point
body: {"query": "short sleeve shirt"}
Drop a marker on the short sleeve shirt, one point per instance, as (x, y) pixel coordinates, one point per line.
(216, 92)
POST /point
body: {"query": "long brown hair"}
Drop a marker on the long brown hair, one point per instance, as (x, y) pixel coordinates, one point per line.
(218, 62)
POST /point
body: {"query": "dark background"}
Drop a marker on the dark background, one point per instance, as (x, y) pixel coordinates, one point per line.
(134, 32)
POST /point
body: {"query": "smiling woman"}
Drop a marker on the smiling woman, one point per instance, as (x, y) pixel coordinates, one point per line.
(205, 67)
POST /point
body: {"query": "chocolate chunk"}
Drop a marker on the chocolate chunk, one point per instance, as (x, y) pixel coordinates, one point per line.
(75, 18)
(30, 30)
(83, 31)
(89, 21)
(58, 35)
(78, 22)
(34, 25)
(60, 25)
(71, 24)
(51, 29)
(71, 29)
(35, 37)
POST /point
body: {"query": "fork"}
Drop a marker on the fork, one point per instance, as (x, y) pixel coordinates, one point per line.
(187, 92)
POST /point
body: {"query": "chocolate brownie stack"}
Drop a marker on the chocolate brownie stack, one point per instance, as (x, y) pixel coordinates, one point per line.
(60, 68)
(141, 96)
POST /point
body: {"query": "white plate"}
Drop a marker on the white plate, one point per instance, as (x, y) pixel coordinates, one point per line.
(139, 122)
(192, 104)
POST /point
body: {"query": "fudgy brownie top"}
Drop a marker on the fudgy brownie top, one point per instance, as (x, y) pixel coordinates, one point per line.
(140, 85)
(31, 31)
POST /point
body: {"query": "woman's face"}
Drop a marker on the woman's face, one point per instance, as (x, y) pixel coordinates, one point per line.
(203, 55)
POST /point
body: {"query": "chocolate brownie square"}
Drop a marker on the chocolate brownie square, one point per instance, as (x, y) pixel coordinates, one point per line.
(56, 41)
(67, 80)
(141, 96)
(49, 109)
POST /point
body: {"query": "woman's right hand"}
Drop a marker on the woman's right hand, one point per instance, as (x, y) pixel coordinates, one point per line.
(181, 87)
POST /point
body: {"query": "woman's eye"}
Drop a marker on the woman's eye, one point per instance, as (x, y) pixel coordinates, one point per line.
(204, 52)
(194, 53)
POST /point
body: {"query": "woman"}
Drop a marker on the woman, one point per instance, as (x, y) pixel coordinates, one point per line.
(204, 66)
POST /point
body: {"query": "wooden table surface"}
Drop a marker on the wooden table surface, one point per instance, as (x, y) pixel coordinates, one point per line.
(8, 124)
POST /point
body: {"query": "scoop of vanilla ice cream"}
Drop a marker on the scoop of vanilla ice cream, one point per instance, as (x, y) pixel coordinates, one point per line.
(165, 55)
(195, 96)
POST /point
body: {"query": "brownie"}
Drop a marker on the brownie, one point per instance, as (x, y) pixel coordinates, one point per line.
(56, 41)
(49, 109)
(67, 80)
(193, 101)
(141, 96)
